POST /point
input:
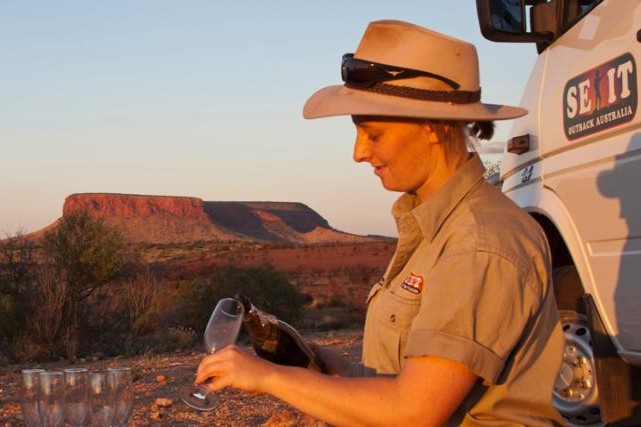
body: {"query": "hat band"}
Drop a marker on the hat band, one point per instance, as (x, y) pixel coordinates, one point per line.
(454, 97)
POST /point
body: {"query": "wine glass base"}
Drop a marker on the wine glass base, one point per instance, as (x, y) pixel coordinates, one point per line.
(199, 398)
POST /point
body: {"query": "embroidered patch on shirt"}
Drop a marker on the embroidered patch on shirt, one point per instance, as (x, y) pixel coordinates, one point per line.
(413, 283)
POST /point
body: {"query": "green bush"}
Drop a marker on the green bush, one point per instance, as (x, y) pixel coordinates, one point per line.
(267, 288)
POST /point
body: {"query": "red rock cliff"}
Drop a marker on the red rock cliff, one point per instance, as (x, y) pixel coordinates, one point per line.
(128, 205)
(167, 219)
(152, 219)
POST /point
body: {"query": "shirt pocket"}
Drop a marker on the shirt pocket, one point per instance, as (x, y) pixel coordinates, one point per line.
(393, 319)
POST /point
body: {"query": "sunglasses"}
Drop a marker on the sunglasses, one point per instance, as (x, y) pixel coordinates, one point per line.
(364, 74)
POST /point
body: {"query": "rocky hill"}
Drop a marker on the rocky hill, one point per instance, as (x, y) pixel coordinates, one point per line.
(183, 238)
(168, 219)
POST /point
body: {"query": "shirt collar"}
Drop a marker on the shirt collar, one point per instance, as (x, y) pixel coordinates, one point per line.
(430, 214)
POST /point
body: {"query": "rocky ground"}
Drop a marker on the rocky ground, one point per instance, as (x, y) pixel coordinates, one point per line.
(157, 379)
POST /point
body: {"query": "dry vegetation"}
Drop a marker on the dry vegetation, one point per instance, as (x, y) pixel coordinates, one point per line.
(66, 301)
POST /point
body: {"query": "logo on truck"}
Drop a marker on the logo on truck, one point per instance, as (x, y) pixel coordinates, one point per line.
(601, 98)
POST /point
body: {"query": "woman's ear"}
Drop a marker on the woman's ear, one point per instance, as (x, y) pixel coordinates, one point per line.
(432, 135)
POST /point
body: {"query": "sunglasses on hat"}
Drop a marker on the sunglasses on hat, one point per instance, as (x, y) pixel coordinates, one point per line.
(363, 74)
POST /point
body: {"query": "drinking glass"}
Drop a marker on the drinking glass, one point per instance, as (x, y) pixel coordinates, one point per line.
(76, 395)
(122, 379)
(102, 398)
(222, 330)
(51, 399)
(29, 402)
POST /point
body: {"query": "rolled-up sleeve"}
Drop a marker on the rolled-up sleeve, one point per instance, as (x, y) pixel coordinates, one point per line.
(474, 308)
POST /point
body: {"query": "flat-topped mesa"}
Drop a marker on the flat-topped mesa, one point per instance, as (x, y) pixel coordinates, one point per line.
(170, 219)
(104, 205)
(150, 219)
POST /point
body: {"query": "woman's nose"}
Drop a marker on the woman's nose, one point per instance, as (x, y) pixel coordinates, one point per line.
(362, 149)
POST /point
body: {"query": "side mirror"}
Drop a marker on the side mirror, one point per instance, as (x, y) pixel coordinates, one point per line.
(506, 21)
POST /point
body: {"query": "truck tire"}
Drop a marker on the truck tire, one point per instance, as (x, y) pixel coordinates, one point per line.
(575, 394)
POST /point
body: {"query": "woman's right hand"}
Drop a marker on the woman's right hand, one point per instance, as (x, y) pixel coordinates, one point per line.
(234, 367)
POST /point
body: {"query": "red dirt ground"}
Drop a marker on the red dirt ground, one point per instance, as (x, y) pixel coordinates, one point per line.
(161, 376)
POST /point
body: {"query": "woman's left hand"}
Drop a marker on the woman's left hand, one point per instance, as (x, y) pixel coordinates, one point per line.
(234, 367)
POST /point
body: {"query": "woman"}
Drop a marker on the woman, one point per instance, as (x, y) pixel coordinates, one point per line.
(463, 328)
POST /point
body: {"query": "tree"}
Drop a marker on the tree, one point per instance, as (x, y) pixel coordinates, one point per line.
(48, 311)
(17, 266)
(86, 254)
(16, 262)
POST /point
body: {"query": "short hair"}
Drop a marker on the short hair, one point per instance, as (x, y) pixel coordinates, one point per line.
(459, 136)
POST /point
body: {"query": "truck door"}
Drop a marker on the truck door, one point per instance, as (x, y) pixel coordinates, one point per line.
(590, 137)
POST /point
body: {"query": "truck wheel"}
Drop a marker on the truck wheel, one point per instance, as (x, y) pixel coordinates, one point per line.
(575, 393)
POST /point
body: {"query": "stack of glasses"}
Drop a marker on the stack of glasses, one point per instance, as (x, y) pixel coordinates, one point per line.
(80, 397)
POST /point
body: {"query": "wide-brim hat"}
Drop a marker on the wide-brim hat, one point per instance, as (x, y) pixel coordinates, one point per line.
(401, 45)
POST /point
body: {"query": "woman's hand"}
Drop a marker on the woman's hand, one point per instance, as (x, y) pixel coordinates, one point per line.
(234, 367)
(436, 386)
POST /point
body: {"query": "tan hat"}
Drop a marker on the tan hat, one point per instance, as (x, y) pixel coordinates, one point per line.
(403, 70)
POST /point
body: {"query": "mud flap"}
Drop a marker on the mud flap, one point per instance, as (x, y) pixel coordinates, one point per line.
(619, 383)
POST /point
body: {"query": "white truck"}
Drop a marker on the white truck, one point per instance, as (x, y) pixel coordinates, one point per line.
(574, 163)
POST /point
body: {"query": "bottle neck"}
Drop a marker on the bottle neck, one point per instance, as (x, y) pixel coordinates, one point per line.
(262, 327)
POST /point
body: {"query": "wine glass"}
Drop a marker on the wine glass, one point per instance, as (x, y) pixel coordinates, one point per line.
(76, 395)
(29, 403)
(51, 399)
(102, 398)
(222, 330)
(122, 382)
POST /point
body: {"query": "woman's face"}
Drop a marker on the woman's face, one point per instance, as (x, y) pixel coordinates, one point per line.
(406, 155)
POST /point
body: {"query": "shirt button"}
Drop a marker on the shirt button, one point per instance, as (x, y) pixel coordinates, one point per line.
(392, 318)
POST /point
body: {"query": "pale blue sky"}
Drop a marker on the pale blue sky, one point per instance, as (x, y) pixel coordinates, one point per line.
(200, 98)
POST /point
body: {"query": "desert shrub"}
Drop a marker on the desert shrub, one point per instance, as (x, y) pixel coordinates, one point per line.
(16, 273)
(12, 322)
(268, 289)
(30, 319)
(172, 304)
(106, 324)
(140, 314)
(182, 304)
(195, 301)
(86, 254)
(17, 261)
(13, 313)
(162, 326)
(140, 296)
(175, 338)
(144, 324)
(45, 324)
(27, 349)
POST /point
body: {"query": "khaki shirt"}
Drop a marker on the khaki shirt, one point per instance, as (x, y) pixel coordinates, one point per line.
(470, 281)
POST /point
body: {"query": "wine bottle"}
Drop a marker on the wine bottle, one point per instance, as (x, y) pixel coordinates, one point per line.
(277, 341)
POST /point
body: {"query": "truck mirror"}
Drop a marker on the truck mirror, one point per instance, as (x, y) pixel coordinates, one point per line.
(505, 21)
(507, 15)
